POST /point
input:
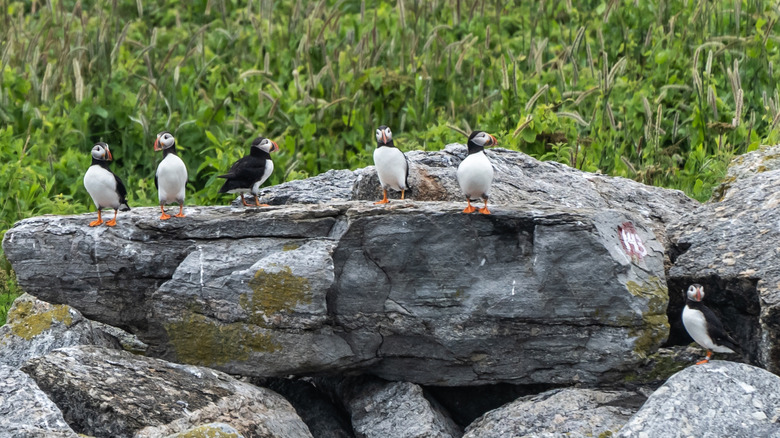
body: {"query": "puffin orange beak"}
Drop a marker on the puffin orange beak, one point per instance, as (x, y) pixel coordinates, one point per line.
(493, 141)
(384, 138)
(110, 157)
(698, 294)
(275, 146)
(157, 144)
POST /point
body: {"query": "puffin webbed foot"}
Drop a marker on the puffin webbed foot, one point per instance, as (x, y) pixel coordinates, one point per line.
(96, 222)
(706, 359)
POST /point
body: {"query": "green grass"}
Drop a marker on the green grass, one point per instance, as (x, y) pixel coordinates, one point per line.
(662, 92)
(9, 290)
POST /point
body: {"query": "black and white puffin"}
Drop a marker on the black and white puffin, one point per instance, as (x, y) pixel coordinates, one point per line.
(391, 164)
(475, 172)
(248, 173)
(105, 188)
(171, 176)
(704, 326)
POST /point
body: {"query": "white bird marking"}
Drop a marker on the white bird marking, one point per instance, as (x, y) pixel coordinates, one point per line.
(482, 263)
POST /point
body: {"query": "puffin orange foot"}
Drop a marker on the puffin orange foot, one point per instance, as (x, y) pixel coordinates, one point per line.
(165, 216)
(96, 222)
(384, 201)
(702, 361)
(484, 210)
(178, 215)
(111, 223)
(262, 205)
(470, 209)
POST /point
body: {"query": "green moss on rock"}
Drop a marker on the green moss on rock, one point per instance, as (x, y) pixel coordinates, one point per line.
(201, 341)
(274, 293)
(654, 290)
(207, 431)
(655, 329)
(26, 323)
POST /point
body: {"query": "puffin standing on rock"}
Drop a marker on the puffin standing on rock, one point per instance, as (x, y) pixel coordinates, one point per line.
(250, 172)
(704, 326)
(475, 172)
(171, 176)
(392, 166)
(105, 188)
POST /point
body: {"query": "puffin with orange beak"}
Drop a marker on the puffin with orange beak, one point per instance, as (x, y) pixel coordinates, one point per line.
(251, 171)
(171, 176)
(475, 172)
(392, 166)
(105, 188)
(704, 326)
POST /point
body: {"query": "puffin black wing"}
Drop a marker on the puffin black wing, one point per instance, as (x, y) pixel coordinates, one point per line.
(243, 173)
(715, 328)
(122, 192)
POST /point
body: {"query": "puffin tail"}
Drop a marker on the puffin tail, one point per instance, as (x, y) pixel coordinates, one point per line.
(124, 207)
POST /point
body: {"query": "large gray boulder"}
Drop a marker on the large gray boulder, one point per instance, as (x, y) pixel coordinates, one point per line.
(383, 409)
(26, 411)
(104, 392)
(718, 399)
(729, 245)
(559, 412)
(34, 328)
(563, 284)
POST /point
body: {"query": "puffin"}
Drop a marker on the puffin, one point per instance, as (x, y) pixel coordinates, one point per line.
(105, 188)
(704, 326)
(249, 173)
(391, 164)
(171, 176)
(475, 172)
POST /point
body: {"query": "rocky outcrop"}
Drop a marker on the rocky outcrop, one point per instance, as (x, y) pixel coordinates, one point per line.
(564, 284)
(104, 392)
(34, 328)
(417, 291)
(729, 246)
(560, 412)
(716, 399)
(26, 411)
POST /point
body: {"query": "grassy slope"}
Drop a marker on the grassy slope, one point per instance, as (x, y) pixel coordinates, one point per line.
(662, 92)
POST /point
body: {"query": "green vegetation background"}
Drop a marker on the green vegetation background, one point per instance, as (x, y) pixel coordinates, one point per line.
(663, 92)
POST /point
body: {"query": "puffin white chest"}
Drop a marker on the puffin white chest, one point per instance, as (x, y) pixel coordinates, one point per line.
(391, 167)
(269, 168)
(171, 179)
(475, 175)
(696, 325)
(101, 186)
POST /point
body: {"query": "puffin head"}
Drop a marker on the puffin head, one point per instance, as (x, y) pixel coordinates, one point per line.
(479, 140)
(164, 140)
(265, 144)
(695, 292)
(384, 136)
(101, 152)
